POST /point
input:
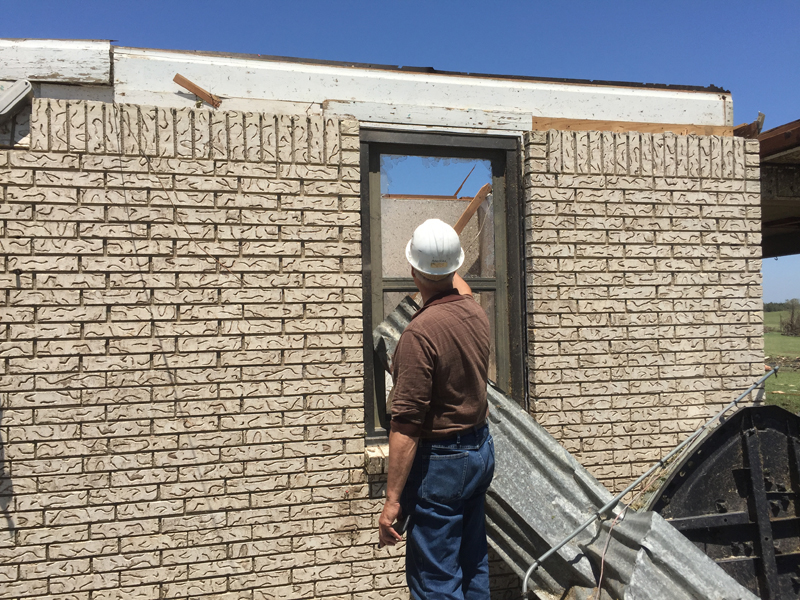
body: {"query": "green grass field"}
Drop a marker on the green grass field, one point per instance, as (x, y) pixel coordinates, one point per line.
(776, 344)
(772, 320)
(783, 390)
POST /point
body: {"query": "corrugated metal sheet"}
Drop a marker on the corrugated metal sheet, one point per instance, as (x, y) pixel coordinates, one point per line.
(541, 493)
(387, 334)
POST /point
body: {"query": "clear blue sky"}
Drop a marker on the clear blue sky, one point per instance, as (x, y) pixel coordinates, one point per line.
(749, 48)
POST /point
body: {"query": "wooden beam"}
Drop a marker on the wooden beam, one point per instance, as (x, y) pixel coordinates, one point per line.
(472, 207)
(746, 130)
(750, 130)
(83, 62)
(208, 97)
(780, 139)
(545, 124)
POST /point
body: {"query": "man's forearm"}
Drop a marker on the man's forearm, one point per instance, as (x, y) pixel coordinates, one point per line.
(402, 449)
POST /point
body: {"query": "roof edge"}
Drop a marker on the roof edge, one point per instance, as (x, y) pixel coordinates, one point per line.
(432, 71)
(779, 139)
(26, 39)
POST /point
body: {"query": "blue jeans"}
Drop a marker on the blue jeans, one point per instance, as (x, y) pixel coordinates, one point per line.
(446, 551)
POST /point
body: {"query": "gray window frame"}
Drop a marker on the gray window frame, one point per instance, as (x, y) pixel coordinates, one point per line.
(504, 154)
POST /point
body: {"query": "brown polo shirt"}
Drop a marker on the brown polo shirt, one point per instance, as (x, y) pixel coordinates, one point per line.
(440, 369)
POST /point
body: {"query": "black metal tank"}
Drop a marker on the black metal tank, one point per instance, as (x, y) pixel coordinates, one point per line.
(737, 497)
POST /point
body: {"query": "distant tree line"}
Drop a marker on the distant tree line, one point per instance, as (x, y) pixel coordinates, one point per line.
(777, 306)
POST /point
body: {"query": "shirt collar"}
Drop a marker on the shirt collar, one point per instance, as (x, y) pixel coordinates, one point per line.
(450, 295)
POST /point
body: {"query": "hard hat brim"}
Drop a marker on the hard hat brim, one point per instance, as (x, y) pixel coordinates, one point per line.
(427, 269)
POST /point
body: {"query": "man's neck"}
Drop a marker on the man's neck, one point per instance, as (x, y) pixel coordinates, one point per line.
(426, 295)
(429, 289)
(432, 294)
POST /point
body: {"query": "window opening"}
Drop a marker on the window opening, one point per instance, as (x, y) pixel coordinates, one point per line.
(413, 189)
(404, 187)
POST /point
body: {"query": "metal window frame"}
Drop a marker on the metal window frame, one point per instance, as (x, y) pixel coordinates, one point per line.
(505, 155)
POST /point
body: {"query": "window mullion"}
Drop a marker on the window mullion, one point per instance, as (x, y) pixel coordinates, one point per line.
(501, 294)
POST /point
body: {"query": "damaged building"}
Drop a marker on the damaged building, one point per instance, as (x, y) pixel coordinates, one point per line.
(191, 403)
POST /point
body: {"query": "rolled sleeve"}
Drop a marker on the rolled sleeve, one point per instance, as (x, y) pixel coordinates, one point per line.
(414, 365)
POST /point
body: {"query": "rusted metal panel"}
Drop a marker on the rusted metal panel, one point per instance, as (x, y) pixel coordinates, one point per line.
(736, 497)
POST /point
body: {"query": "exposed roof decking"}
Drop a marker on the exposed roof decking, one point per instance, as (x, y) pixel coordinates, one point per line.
(375, 94)
(781, 144)
(379, 95)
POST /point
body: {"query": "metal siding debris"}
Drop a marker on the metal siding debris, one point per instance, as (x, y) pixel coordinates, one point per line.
(14, 98)
(540, 493)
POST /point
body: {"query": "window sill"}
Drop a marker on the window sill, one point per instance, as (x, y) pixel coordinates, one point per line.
(376, 464)
(376, 459)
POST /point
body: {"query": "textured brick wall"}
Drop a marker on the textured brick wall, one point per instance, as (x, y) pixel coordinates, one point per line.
(644, 288)
(181, 359)
(182, 409)
(182, 402)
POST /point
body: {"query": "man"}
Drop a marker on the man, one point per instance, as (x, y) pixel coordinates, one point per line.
(441, 456)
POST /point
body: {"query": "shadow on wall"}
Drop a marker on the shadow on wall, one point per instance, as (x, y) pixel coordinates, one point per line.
(6, 487)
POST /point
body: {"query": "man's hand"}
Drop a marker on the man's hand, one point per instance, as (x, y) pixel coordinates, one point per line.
(402, 449)
(391, 513)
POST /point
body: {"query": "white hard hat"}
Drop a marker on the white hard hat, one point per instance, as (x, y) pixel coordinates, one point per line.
(435, 249)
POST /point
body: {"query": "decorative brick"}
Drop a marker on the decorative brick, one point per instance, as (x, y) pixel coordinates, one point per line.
(202, 134)
(184, 376)
(129, 128)
(59, 125)
(184, 143)
(640, 258)
(40, 130)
